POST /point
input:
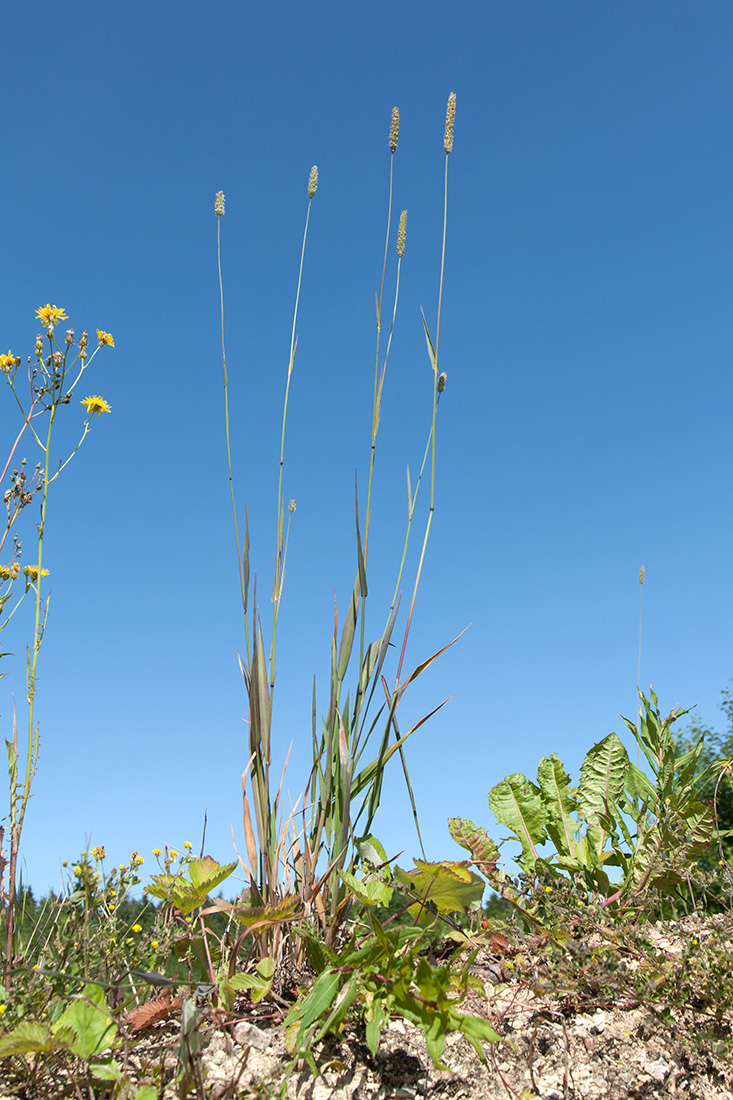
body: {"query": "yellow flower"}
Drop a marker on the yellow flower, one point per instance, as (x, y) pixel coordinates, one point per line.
(9, 360)
(32, 572)
(173, 853)
(3, 1008)
(548, 889)
(137, 928)
(50, 315)
(95, 405)
(156, 851)
(123, 866)
(105, 338)
(187, 844)
(77, 870)
(154, 944)
(99, 852)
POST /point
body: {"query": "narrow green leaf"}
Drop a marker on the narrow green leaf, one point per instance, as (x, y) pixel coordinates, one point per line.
(347, 633)
(431, 350)
(359, 547)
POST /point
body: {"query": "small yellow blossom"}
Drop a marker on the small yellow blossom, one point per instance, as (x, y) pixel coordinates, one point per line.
(99, 852)
(77, 870)
(510, 966)
(154, 944)
(113, 939)
(187, 844)
(65, 863)
(95, 405)
(156, 851)
(31, 571)
(138, 859)
(3, 1008)
(548, 889)
(50, 315)
(36, 966)
(173, 853)
(123, 866)
(9, 360)
(137, 928)
(105, 338)
(9, 572)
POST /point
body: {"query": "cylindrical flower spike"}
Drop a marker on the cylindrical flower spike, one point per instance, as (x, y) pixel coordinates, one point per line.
(219, 204)
(442, 379)
(642, 574)
(394, 129)
(313, 182)
(450, 118)
(402, 234)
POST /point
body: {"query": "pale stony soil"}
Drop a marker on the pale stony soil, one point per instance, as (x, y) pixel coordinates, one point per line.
(554, 1046)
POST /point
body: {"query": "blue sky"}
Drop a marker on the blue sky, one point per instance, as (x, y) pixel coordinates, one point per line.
(584, 430)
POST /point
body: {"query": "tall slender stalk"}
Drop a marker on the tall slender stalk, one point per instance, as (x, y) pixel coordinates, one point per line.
(277, 587)
(219, 207)
(448, 146)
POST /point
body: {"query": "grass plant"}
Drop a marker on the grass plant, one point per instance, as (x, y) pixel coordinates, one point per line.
(310, 855)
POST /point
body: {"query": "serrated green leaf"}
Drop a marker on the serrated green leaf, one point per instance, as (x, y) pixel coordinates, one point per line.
(554, 784)
(449, 885)
(517, 803)
(206, 874)
(602, 777)
(372, 892)
(477, 841)
(31, 1037)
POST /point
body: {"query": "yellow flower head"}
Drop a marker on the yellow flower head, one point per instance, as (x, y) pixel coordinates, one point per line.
(99, 852)
(137, 928)
(95, 405)
(8, 361)
(50, 315)
(105, 338)
(31, 571)
(188, 844)
(3, 1008)
(156, 851)
(154, 944)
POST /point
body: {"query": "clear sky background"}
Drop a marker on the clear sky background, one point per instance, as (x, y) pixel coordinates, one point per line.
(585, 429)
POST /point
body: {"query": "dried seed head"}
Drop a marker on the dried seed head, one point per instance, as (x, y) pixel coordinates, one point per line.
(219, 204)
(450, 118)
(642, 574)
(442, 379)
(402, 234)
(291, 506)
(394, 129)
(313, 182)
